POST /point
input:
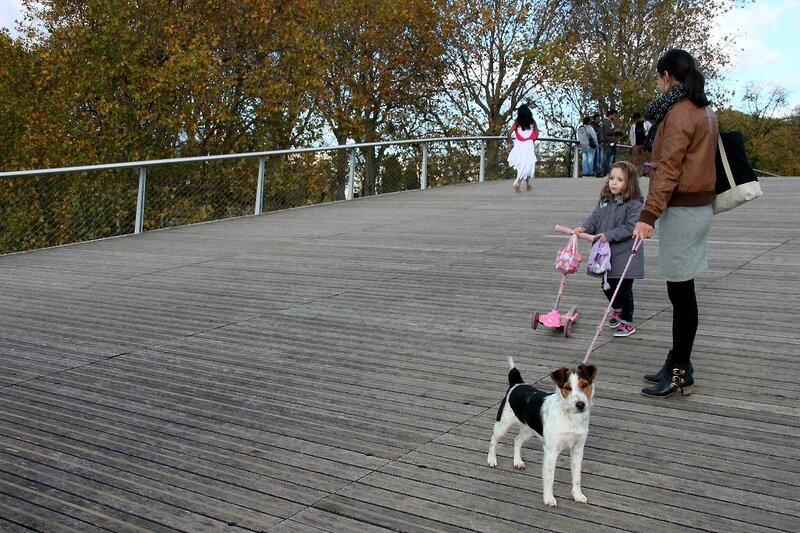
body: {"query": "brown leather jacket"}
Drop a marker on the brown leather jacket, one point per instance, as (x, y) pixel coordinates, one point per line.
(684, 173)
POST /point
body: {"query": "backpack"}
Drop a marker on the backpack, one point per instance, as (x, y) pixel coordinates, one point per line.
(639, 133)
(592, 143)
(650, 138)
(600, 260)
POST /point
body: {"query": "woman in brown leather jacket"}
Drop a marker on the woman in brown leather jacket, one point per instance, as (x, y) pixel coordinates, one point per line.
(680, 194)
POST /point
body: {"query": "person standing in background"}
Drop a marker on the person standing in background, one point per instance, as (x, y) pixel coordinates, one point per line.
(638, 135)
(610, 137)
(598, 153)
(588, 140)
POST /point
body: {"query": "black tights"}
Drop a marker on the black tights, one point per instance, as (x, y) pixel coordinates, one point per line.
(684, 319)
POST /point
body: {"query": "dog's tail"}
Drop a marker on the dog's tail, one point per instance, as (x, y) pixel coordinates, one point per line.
(514, 377)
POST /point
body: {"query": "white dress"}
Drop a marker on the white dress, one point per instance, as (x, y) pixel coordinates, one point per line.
(523, 155)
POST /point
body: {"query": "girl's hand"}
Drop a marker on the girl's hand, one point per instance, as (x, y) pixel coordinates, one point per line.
(643, 230)
(578, 230)
(602, 237)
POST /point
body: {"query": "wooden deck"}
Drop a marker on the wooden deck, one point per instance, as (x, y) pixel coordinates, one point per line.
(338, 368)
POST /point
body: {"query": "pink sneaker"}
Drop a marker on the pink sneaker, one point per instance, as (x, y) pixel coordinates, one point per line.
(625, 330)
(614, 321)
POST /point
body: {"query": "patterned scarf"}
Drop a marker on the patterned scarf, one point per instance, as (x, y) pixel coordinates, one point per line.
(656, 109)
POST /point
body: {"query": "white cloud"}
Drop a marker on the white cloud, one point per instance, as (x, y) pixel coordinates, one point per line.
(766, 45)
(753, 28)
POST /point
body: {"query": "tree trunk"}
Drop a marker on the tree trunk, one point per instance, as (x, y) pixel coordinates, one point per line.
(370, 184)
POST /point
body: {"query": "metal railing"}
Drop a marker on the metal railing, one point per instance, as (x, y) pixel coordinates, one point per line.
(48, 207)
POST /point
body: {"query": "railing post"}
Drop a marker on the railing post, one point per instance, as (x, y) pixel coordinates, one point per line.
(260, 186)
(423, 178)
(576, 167)
(482, 175)
(139, 224)
(352, 180)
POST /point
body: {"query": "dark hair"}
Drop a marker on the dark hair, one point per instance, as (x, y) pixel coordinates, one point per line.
(586, 120)
(525, 118)
(611, 112)
(636, 116)
(632, 188)
(681, 65)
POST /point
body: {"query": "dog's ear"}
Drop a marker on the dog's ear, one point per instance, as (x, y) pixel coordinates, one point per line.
(588, 371)
(560, 376)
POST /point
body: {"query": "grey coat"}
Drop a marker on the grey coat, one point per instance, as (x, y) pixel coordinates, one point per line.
(617, 219)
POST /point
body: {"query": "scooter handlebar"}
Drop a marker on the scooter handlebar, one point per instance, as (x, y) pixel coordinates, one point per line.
(568, 231)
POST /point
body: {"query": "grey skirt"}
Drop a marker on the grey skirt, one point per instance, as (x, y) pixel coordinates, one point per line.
(683, 238)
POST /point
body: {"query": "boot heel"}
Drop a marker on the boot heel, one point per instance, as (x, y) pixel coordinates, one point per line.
(687, 391)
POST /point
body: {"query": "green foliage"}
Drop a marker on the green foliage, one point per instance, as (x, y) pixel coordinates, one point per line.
(771, 142)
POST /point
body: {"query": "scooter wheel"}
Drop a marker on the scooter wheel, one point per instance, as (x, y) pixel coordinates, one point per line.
(567, 327)
(535, 320)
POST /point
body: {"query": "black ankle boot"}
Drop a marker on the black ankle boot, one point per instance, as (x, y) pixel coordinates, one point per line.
(677, 377)
(655, 378)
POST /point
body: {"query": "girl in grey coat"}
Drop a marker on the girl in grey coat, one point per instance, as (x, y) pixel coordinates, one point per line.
(613, 221)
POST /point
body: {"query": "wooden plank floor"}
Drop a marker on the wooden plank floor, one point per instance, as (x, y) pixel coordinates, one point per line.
(338, 367)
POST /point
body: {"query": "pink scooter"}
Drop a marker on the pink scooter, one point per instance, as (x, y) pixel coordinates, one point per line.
(555, 319)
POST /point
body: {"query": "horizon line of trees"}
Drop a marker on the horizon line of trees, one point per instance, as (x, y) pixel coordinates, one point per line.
(102, 81)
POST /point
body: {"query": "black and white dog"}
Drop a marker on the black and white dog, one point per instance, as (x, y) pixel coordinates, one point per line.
(560, 419)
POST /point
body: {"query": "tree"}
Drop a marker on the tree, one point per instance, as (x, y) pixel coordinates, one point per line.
(615, 46)
(382, 63)
(129, 80)
(501, 56)
(17, 100)
(770, 133)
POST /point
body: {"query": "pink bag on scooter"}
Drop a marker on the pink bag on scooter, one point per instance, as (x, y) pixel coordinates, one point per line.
(569, 260)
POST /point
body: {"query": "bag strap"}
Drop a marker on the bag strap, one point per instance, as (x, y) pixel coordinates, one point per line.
(573, 243)
(724, 157)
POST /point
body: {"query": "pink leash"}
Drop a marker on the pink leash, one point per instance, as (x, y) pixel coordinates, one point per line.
(636, 244)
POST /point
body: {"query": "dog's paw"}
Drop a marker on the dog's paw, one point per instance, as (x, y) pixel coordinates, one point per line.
(550, 501)
(519, 466)
(492, 461)
(579, 497)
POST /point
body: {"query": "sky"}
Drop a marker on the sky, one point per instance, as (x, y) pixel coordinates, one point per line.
(767, 50)
(768, 47)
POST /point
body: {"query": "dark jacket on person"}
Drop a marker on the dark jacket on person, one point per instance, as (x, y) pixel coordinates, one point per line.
(610, 133)
(598, 129)
(616, 219)
(683, 170)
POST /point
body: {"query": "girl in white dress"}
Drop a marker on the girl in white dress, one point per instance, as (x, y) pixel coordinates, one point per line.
(523, 156)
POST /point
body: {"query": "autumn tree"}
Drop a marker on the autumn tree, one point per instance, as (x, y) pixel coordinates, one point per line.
(102, 81)
(769, 127)
(501, 56)
(128, 79)
(17, 100)
(615, 45)
(382, 64)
